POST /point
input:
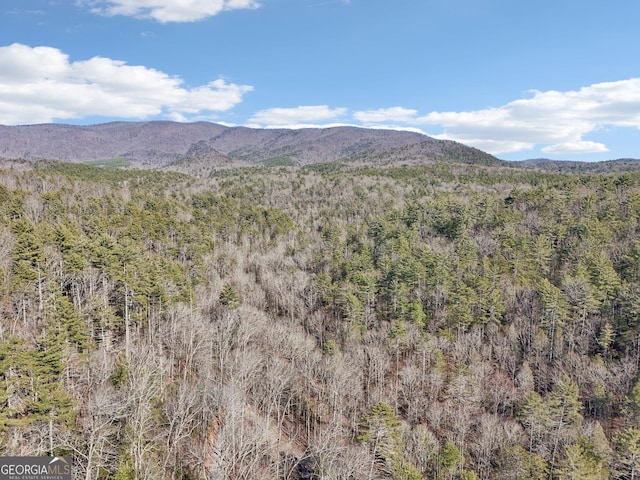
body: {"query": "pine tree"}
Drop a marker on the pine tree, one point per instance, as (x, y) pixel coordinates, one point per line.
(631, 406)
(381, 430)
(627, 448)
(604, 277)
(578, 464)
(534, 416)
(554, 314)
(65, 317)
(229, 297)
(450, 458)
(565, 408)
(605, 339)
(518, 464)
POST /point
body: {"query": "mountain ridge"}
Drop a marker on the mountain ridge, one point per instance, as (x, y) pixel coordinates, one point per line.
(161, 144)
(199, 147)
(573, 166)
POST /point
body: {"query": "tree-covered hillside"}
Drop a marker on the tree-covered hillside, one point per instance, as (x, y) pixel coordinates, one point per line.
(323, 322)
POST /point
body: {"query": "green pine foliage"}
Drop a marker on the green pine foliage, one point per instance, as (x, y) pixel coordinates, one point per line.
(229, 297)
(381, 430)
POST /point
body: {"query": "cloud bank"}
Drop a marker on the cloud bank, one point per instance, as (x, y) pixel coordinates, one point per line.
(557, 121)
(40, 85)
(385, 115)
(298, 116)
(165, 11)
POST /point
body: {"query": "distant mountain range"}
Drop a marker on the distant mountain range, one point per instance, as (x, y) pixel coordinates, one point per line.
(198, 147)
(190, 146)
(569, 166)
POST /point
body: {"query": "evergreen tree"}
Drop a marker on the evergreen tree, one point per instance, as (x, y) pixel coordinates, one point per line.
(578, 464)
(627, 449)
(565, 408)
(554, 314)
(517, 464)
(535, 417)
(380, 429)
(229, 297)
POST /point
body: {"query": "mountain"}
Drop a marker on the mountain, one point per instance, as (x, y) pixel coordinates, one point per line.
(568, 166)
(201, 145)
(150, 144)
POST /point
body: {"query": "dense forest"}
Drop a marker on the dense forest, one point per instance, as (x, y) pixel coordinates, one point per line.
(439, 321)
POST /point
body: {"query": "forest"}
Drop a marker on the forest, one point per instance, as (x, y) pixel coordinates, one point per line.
(334, 321)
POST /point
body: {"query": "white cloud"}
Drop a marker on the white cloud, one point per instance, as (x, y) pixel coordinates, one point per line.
(305, 115)
(558, 120)
(165, 11)
(393, 114)
(40, 85)
(576, 147)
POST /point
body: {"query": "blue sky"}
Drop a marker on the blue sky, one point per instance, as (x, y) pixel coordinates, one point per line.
(554, 79)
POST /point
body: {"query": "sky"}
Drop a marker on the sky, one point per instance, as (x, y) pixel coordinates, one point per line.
(544, 79)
